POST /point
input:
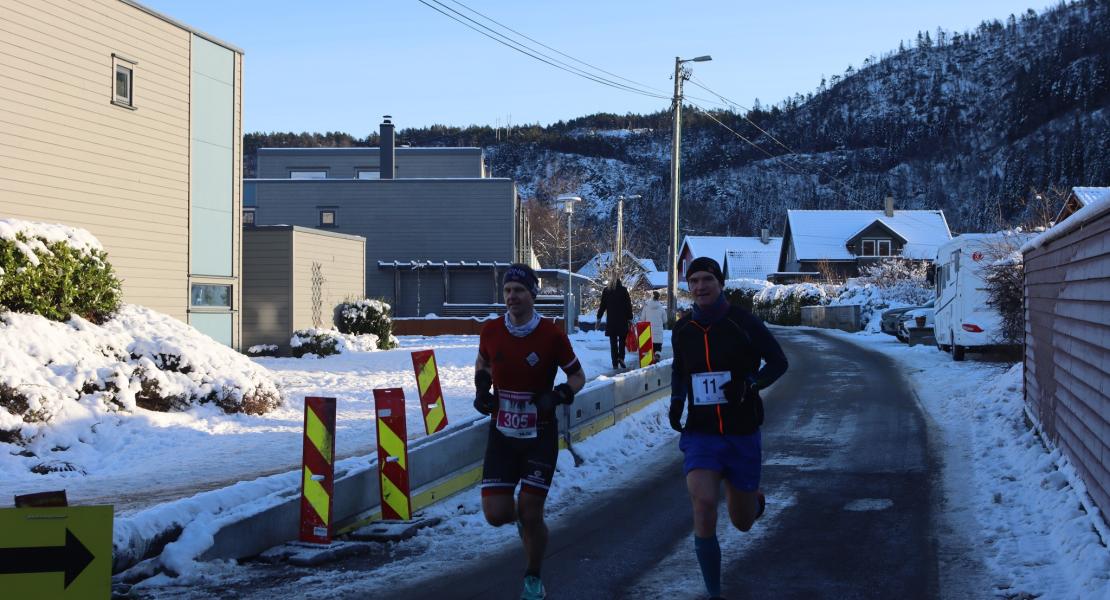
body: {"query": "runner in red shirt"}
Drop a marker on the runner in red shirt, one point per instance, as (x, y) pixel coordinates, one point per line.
(519, 355)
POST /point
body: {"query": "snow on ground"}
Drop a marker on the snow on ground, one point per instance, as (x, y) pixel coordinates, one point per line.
(154, 457)
(1013, 505)
(610, 459)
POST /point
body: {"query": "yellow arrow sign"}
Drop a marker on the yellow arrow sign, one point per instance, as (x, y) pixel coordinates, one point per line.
(56, 552)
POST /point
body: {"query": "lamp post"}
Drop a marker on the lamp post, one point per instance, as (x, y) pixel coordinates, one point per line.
(568, 201)
(619, 253)
(680, 75)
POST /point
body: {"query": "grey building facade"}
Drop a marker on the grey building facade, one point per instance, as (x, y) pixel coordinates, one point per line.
(437, 229)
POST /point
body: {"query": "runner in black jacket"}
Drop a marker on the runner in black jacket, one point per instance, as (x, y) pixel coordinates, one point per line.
(717, 375)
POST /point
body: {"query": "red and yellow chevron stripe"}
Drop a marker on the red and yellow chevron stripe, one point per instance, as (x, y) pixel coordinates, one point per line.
(647, 349)
(431, 397)
(393, 453)
(319, 470)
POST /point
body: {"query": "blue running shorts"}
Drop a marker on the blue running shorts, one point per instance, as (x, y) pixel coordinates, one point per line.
(738, 458)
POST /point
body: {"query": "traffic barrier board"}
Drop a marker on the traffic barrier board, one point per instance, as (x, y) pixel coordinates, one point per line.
(318, 470)
(393, 453)
(61, 553)
(431, 396)
(646, 346)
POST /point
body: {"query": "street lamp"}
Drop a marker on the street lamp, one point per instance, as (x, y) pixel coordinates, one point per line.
(618, 255)
(568, 201)
(680, 75)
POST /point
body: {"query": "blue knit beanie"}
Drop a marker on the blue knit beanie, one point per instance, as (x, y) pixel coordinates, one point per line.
(524, 275)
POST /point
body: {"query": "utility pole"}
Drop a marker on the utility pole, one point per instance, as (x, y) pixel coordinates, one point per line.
(618, 251)
(680, 75)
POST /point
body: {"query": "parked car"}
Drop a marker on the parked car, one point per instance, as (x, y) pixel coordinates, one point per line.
(964, 320)
(892, 318)
(909, 319)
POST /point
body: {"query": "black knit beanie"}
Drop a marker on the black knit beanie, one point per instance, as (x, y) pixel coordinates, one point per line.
(704, 263)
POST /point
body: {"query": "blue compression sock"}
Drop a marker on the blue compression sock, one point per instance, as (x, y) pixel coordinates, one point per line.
(708, 551)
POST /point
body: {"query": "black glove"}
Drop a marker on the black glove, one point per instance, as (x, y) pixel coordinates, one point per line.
(561, 394)
(484, 401)
(676, 414)
(736, 390)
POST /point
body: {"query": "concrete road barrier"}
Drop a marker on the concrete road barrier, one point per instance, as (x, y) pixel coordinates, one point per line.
(439, 465)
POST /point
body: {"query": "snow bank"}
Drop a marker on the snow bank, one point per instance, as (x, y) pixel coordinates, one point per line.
(62, 383)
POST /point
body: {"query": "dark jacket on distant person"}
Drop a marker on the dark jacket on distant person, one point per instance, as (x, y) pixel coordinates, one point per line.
(617, 302)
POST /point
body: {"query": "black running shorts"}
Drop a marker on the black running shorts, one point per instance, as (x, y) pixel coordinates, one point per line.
(530, 461)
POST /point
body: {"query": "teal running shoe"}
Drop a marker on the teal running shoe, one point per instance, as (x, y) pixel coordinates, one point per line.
(533, 589)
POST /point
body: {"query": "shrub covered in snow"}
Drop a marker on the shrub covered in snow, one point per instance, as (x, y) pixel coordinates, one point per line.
(367, 316)
(262, 350)
(782, 304)
(741, 292)
(325, 342)
(890, 283)
(55, 271)
(321, 342)
(54, 374)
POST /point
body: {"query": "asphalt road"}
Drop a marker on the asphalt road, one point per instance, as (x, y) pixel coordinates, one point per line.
(846, 457)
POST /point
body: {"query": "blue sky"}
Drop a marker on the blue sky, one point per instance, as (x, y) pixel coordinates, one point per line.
(339, 65)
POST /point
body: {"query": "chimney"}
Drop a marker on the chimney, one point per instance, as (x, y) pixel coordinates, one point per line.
(889, 208)
(765, 235)
(386, 144)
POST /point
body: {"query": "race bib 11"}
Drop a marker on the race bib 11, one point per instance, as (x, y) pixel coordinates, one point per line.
(707, 387)
(516, 414)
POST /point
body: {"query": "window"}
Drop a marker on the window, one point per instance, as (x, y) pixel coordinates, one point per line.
(248, 216)
(211, 295)
(123, 81)
(368, 174)
(327, 217)
(308, 174)
(875, 248)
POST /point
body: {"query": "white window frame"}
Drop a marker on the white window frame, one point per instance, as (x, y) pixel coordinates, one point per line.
(375, 172)
(334, 217)
(249, 211)
(218, 307)
(877, 244)
(120, 64)
(300, 173)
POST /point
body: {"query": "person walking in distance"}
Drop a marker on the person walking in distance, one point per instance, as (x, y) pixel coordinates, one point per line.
(615, 300)
(655, 313)
(518, 357)
(716, 378)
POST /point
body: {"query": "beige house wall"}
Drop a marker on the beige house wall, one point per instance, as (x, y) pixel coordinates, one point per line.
(68, 155)
(341, 274)
(278, 280)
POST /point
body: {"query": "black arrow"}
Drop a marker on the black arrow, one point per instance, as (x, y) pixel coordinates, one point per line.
(71, 558)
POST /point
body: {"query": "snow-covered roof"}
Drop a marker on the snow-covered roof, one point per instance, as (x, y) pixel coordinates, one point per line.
(656, 279)
(1095, 208)
(752, 263)
(600, 261)
(1089, 195)
(823, 234)
(716, 247)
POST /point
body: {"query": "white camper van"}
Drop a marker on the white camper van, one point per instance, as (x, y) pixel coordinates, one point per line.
(964, 322)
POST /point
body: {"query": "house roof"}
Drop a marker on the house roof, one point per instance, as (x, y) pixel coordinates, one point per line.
(715, 247)
(1094, 209)
(656, 279)
(1087, 195)
(823, 234)
(600, 261)
(752, 263)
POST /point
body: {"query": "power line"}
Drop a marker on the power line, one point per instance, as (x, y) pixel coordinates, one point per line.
(531, 52)
(596, 68)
